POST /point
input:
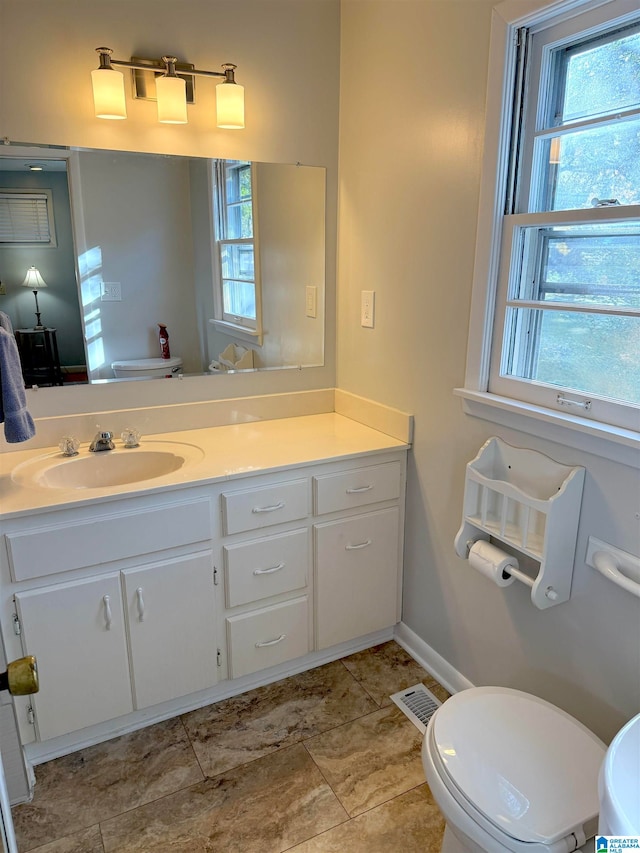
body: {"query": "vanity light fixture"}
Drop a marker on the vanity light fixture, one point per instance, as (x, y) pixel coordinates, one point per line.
(174, 85)
(34, 280)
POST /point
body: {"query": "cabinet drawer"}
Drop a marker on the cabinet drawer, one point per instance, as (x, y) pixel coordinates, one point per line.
(362, 486)
(263, 507)
(103, 539)
(265, 567)
(267, 637)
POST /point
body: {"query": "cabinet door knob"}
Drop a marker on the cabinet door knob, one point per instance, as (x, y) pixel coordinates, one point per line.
(269, 571)
(108, 619)
(140, 604)
(271, 642)
(357, 547)
(272, 508)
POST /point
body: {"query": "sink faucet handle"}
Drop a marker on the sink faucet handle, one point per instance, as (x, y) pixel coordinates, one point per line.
(69, 445)
(130, 437)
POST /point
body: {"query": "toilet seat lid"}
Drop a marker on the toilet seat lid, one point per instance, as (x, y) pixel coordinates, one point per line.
(527, 766)
(146, 363)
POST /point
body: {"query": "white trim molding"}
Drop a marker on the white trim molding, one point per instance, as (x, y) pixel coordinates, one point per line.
(426, 656)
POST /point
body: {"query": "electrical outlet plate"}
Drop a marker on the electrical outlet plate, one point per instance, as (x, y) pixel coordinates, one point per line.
(111, 291)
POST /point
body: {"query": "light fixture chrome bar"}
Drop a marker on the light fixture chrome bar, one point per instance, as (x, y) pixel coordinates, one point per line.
(146, 71)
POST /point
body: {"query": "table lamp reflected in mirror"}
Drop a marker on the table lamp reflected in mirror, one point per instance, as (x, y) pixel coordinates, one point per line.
(34, 280)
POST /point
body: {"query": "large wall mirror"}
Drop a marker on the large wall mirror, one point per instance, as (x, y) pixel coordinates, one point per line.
(132, 240)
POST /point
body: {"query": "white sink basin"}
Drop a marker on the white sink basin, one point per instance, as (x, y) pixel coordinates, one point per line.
(619, 783)
(106, 468)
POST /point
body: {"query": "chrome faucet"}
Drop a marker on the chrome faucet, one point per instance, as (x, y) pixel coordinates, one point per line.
(103, 440)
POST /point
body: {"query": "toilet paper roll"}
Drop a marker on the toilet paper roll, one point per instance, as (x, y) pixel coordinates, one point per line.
(492, 562)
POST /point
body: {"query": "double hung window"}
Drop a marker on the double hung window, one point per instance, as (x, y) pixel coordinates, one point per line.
(237, 300)
(566, 324)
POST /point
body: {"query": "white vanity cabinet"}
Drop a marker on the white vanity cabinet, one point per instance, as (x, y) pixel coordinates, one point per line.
(119, 609)
(140, 607)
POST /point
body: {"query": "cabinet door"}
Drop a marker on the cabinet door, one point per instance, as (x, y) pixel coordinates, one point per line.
(76, 630)
(171, 617)
(356, 576)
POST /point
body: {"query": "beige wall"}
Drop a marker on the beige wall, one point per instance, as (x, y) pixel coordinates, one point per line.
(287, 53)
(413, 79)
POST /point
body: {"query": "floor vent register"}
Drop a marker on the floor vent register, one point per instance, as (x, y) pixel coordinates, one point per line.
(418, 704)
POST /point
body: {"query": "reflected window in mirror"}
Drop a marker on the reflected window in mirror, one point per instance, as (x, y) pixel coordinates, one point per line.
(236, 274)
(26, 218)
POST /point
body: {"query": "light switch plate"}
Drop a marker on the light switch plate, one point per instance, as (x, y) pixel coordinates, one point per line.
(367, 308)
(311, 304)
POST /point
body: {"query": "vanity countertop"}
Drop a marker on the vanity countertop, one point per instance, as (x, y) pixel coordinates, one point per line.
(228, 452)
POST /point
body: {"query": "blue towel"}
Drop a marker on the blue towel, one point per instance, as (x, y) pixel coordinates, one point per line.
(18, 423)
(5, 322)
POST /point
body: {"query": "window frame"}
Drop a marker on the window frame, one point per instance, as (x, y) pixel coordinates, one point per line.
(562, 421)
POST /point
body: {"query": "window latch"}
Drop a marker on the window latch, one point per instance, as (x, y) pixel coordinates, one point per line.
(605, 202)
(567, 401)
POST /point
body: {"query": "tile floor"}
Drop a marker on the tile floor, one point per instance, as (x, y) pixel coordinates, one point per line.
(321, 762)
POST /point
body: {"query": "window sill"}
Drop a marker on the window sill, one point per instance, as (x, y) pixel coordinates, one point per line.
(253, 336)
(618, 445)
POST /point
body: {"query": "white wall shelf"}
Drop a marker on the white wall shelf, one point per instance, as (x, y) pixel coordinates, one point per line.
(529, 502)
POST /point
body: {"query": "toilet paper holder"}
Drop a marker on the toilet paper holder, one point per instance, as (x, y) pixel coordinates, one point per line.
(516, 572)
(524, 500)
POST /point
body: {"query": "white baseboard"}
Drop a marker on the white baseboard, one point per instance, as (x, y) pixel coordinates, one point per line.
(442, 671)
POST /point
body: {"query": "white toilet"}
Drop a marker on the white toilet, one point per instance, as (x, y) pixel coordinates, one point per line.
(151, 367)
(511, 772)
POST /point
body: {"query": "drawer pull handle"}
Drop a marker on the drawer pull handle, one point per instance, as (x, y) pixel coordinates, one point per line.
(108, 619)
(140, 604)
(364, 544)
(271, 642)
(359, 490)
(272, 508)
(269, 571)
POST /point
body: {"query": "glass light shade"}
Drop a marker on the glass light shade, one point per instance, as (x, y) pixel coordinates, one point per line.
(172, 100)
(108, 93)
(230, 106)
(33, 279)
